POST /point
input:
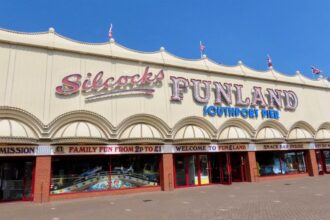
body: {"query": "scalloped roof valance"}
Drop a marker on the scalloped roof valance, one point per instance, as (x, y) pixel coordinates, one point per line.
(53, 40)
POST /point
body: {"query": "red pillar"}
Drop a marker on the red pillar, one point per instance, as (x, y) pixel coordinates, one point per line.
(312, 167)
(167, 172)
(252, 171)
(42, 179)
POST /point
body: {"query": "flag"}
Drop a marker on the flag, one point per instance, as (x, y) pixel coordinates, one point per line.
(315, 70)
(110, 32)
(269, 61)
(201, 47)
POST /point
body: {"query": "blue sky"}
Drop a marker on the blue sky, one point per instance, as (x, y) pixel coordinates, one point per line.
(295, 33)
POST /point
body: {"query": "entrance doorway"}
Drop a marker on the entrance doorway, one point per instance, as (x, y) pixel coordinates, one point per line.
(191, 170)
(238, 167)
(212, 168)
(16, 179)
(323, 161)
(220, 168)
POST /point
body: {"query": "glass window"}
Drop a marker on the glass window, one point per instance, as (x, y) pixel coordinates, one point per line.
(192, 170)
(275, 163)
(268, 163)
(79, 174)
(319, 161)
(95, 173)
(301, 161)
(290, 164)
(128, 171)
(180, 171)
(224, 168)
(326, 154)
(204, 169)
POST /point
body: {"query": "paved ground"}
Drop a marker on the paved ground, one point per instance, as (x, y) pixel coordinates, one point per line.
(300, 198)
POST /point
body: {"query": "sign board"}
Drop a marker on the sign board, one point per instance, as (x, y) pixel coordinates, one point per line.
(209, 148)
(283, 146)
(322, 145)
(105, 149)
(13, 150)
(45, 150)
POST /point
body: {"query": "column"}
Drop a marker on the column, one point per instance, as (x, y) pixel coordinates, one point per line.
(167, 178)
(252, 170)
(311, 163)
(42, 179)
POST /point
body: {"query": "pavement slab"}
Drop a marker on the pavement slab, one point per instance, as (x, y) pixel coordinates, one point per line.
(294, 198)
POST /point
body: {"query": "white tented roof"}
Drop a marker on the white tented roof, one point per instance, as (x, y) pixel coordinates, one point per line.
(139, 131)
(10, 128)
(322, 134)
(191, 132)
(299, 133)
(80, 130)
(269, 133)
(233, 133)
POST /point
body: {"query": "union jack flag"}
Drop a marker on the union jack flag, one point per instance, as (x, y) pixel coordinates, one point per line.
(110, 32)
(315, 70)
(269, 61)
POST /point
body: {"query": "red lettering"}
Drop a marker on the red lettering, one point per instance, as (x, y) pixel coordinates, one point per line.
(133, 81)
(107, 84)
(124, 149)
(97, 81)
(160, 76)
(146, 77)
(87, 83)
(70, 85)
(105, 149)
(122, 81)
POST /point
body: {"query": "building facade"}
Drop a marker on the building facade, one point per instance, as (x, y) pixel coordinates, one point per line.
(81, 120)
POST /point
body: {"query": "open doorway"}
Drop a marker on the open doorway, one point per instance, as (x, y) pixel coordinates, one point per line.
(192, 170)
(238, 167)
(16, 179)
(213, 168)
(323, 161)
(220, 169)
